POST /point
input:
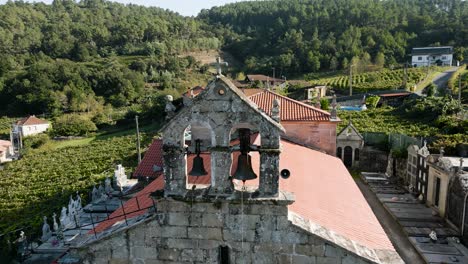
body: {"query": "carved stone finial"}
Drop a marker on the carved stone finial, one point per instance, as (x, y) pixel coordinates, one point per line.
(334, 104)
(55, 226)
(425, 143)
(218, 66)
(46, 233)
(275, 111)
(94, 194)
(170, 108)
(442, 152)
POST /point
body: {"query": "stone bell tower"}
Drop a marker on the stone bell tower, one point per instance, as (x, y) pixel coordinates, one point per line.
(218, 111)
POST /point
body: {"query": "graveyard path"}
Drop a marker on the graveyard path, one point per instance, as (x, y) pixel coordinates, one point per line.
(394, 231)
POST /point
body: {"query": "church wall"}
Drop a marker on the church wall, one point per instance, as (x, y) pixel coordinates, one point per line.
(317, 134)
(186, 232)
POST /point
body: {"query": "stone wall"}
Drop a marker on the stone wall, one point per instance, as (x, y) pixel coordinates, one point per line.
(373, 160)
(320, 135)
(396, 167)
(186, 232)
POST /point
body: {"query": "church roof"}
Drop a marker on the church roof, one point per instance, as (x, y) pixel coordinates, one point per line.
(290, 109)
(30, 121)
(325, 192)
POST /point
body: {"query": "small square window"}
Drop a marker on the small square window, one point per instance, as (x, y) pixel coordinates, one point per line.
(419, 58)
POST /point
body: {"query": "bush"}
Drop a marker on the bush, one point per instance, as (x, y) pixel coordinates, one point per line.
(73, 125)
(430, 90)
(372, 101)
(35, 141)
(324, 104)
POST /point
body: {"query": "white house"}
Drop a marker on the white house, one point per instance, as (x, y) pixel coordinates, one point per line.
(427, 56)
(30, 125)
(6, 151)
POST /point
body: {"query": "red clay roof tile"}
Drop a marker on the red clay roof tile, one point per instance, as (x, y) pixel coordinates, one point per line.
(31, 120)
(290, 109)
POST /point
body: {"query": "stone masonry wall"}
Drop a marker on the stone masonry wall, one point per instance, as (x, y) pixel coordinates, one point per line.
(183, 232)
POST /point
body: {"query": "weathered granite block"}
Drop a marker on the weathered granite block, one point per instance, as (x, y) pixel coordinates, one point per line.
(193, 255)
(178, 219)
(288, 237)
(195, 219)
(284, 259)
(205, 233)
(236, 235)
(296, 259)
(210, 244)
(263, 258)
(174, 232)
(144, 252)
(274, 248)
(245, 221)
(181, 243)
(213, 220)
(169, 254)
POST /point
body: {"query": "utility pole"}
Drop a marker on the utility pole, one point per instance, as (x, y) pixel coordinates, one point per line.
(405, 75)
(459, 88)
(138, 139)
(351, 80)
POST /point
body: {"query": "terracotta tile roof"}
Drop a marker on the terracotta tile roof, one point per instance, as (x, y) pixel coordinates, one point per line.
(291, 110)
(153, 156)
(324, 190)
(252, 91)
(196, 90)
(30, 120)
(394, 94)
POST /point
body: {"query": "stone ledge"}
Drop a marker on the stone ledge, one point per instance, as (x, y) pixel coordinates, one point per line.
(373, 255)
(248, 197)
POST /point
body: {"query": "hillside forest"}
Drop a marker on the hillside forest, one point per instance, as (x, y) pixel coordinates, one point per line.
(96, 56)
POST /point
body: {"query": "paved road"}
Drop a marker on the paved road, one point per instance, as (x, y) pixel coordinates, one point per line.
(442, 79)
(391, 227)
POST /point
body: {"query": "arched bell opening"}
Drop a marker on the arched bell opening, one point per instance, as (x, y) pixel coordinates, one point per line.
(198, 140)
(245, 165)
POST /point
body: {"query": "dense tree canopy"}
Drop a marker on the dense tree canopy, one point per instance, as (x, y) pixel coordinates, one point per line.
(302, 36)
(77, 57)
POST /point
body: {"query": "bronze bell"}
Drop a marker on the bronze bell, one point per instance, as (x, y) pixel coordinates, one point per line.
(244, 170)
(198, 168)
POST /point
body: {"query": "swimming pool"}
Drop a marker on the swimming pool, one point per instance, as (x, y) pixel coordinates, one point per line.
(351, 108)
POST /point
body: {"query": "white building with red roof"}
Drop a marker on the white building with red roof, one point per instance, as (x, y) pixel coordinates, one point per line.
(29, 126)
(314, 213)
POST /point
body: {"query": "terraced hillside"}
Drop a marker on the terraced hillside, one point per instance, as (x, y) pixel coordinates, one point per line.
(378, 80)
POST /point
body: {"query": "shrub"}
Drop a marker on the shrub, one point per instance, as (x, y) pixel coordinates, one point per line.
(430, 90)
(372, 101)
(35, 141)
(324, 104)
(73, 125)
